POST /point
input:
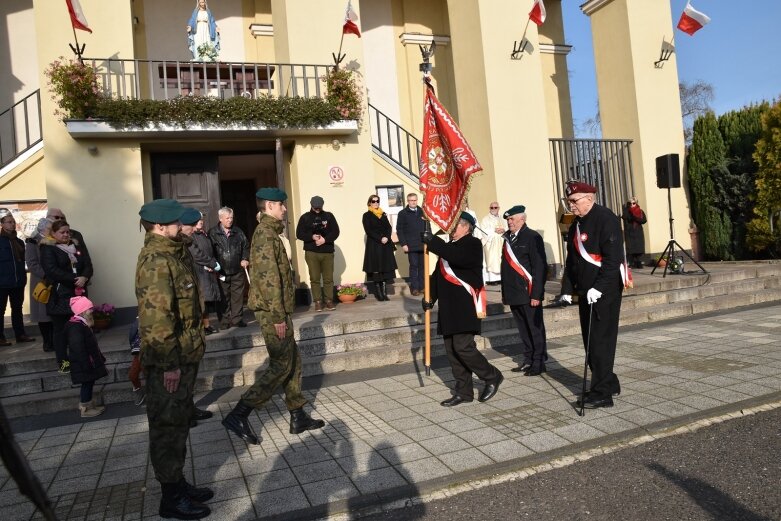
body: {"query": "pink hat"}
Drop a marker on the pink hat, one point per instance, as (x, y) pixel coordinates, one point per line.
(81, 304)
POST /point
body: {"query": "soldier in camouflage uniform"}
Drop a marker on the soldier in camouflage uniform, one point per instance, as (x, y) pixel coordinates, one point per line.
(172, 345)
(271, 297)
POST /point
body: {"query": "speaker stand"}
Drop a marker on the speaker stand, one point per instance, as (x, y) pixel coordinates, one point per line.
(669, 250)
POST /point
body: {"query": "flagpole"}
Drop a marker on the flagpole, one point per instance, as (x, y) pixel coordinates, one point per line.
(427, 270)
(76, 49)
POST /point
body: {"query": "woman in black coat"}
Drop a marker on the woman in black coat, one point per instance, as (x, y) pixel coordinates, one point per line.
(379, 261)
(67, 265)
(634, 238)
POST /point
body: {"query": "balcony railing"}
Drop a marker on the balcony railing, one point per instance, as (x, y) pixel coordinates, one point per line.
(604, 163)
(166, 79)
(20, 128)
(394, 143)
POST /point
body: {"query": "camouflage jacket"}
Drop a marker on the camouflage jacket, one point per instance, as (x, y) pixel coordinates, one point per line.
(169, 307)
(271, 290)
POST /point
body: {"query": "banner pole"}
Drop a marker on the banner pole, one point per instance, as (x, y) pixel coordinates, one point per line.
(427, 297)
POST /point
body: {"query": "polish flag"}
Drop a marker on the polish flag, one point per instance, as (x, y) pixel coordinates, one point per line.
(78, 19)
(537, 14)
(692, 20)
(350, 27)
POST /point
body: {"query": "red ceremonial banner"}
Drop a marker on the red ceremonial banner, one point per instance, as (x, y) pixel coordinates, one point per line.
(447, 165)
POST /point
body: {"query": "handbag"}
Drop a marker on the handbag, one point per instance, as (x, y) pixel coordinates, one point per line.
(42, 291)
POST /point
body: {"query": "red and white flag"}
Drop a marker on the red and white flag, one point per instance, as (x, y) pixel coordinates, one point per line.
(350, 27)
(447, 165)
(692, 20)
(537, 14)
(78, 19)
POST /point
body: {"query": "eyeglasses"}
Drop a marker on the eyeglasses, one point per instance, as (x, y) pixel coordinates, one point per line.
(575, 201)
(374, 201)
(57, 217)
(494, 207)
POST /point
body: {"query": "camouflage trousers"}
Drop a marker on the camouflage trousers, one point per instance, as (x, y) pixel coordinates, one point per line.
(169, 421)
(284, 368)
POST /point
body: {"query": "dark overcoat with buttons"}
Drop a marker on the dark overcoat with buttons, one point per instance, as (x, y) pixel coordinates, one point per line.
(529, 249)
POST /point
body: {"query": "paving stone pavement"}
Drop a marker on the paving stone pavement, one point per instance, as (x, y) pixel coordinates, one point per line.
(388, 437)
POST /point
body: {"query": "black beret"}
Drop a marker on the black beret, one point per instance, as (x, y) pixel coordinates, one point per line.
(317, 202)
(468, 217)
(518, 208)
(161, 211)
(271, 194)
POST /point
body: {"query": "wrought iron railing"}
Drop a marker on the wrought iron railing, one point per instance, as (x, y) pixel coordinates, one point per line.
(394, 143)
(166, 79)
(604, 163)
(20, 128)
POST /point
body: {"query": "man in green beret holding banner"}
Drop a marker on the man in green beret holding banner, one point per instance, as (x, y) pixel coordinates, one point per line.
(172, 345)
(272, 298)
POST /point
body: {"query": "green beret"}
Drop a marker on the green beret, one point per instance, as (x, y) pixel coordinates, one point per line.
(190, 216)
(161, 211)
(271, 194)
(468, 218)
(518, 208)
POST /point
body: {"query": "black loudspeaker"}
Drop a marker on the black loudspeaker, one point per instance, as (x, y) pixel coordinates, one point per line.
(668, 171)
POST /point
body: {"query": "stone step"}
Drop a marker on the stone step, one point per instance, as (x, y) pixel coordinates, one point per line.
(328, 344)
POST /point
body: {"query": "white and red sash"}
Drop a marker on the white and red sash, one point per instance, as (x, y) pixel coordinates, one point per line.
(596, 259)
(512, 260)
(478, 296)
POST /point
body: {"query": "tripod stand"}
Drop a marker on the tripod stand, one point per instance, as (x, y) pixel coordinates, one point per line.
(669, 250)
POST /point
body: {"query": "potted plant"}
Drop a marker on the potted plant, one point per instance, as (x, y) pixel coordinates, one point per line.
(102, 316)
(348, 293)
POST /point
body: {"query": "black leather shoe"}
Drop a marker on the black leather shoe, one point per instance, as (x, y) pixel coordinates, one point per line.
(209, 330)
(522, 369)
(490, 390)
(534, 372)
(237, 422)
(240, 323)
(177, 504)
(300, 421)
(200, 414)
(615, 393)
(199, 494)
(453, 401)
(592, 403)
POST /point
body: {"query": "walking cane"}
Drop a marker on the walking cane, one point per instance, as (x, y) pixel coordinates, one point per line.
(585, 365)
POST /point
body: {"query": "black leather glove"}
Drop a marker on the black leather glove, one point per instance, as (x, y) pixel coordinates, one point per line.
(427, 304)
(426, 236)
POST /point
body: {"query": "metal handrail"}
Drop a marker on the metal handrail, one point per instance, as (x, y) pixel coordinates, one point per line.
(604, 163)
(167, 79)
(17, 133)
(394, 143)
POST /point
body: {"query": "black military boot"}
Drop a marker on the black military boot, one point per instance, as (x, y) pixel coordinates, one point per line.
(377, 293)
(177, 504)
(201, 414)
(384, 291)
(300, 421)
(199, 494)
(237, 421)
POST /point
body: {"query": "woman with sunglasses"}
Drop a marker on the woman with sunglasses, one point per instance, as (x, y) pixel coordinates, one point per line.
(634, 237)
(379, 261)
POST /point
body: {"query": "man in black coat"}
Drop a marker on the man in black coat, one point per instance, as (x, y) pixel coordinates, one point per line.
(231, 249)
(409, 226)
(524, 272)
(595, 253)
(457, 282)
(319, 230)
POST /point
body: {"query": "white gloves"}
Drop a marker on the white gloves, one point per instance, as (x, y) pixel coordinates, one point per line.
(593, 295)
(217, 267)
(566, 298)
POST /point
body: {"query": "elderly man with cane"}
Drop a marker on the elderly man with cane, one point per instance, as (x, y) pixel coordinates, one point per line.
(595, 253)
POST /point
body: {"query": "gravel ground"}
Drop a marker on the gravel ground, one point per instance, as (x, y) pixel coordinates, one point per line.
(728, 471)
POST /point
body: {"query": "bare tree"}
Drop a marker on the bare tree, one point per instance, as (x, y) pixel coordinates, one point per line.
(695, 101)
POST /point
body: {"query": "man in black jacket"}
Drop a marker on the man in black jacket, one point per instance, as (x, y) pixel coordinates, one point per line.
(457, 282)
(231, 249)
(595, 253)
(524, 272)
(318, 230)
(409, 226)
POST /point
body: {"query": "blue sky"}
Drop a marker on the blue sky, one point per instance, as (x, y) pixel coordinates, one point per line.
(738, 52)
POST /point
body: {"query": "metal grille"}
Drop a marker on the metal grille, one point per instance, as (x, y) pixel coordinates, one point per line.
(394, 143)
(20, 128)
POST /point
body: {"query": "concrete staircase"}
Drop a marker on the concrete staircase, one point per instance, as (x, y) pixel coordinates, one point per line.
(373, 334)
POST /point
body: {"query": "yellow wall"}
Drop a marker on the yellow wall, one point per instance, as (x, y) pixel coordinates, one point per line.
(18, 73)
(555, 75)
(641, 102)
(27, 182)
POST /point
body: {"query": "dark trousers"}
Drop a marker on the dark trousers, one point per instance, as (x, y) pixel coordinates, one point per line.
(169, 421)
(85, 394)
(232, 291)
(415, 269)
(464, 360)
(16, 297)
(531, 330)
(58, 336)
(284, 368)
(602, 350)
